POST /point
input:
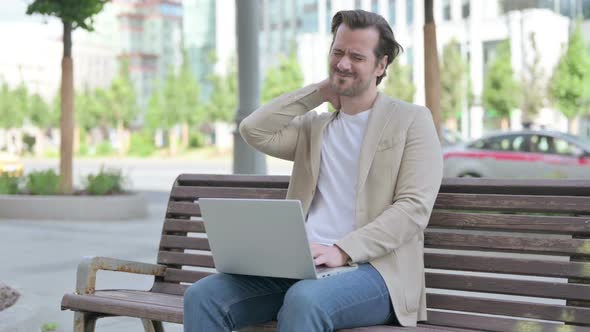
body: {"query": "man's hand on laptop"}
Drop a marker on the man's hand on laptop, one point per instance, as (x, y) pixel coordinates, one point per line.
(330, 256)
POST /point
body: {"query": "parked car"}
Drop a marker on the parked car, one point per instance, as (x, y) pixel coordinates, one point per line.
(520, 154)
(10, 164)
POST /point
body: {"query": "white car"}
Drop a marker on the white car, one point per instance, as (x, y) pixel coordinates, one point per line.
(520, 154)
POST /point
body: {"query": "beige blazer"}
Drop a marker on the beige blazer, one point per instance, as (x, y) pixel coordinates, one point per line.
(399, 176)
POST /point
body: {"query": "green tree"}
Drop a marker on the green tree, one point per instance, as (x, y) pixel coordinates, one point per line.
(73, 14)
(533, 84)
(500, 90)
(13, 106)
(453, 81)
(223, 103)
(398, 82)
(41, 114)
(569, 88)
(285, 77)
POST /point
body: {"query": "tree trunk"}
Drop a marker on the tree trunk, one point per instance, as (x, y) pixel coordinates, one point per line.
(431, 66)
(573, 125)
(173, 141)
(185, 137)
(67, 113)
(121, 138)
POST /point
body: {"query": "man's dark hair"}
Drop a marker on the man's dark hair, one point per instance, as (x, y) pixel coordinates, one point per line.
(359, 19)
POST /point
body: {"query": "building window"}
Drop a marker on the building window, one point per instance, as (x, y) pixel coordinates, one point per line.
(375, 6)
(392, 12)
(409, 12)
(465, 9)
(586, 9)
(565, 8)
(446, 7)
(310, 16)
(410, 61)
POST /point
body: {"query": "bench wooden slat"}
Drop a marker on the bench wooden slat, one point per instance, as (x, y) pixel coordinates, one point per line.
(217, 180)
(552, 312)
(173, 288)
(183, 242)
(519, 266)
(183, 209)
(495, 323)
(122, 307)
(184, 225)
(178, 275)
(549, 246)
(511, 222)
(179, 258)
(553, 290)
(189, 192)
(560, 187)
(489, 202)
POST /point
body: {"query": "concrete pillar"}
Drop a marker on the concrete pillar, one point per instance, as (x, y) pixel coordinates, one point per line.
(246, 159)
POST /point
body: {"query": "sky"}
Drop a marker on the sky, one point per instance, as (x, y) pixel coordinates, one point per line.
(14, 11)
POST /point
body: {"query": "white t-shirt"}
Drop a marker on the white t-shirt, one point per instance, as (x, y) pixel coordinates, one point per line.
(333, 209)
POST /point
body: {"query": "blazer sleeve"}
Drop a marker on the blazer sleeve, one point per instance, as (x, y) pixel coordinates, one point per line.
(274, 128)
(418, 183)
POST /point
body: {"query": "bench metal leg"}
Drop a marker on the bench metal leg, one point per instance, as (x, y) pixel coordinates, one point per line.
(84, 322)
(152, 325)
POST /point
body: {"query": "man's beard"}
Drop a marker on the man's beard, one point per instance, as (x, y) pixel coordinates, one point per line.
(356, 88)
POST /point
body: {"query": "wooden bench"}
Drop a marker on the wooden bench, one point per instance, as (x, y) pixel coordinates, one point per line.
(516, 251)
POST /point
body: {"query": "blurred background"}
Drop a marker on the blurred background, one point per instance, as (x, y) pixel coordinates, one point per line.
(158, 78)
(155, 93)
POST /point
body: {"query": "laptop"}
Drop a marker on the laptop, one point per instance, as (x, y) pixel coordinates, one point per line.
(261, 237)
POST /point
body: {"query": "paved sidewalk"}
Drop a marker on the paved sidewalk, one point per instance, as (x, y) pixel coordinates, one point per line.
(39, 259)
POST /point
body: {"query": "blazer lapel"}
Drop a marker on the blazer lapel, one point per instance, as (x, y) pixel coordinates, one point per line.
(317, 130)
(381, 114)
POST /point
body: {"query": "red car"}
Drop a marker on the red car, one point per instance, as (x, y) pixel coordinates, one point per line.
(520, 154)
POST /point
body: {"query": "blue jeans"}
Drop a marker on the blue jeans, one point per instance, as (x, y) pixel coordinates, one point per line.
(226, 302)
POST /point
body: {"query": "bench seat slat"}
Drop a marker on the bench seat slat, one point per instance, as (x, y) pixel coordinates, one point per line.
(183, 242)
(101, 302)
(179, 258)
(560, 187)
(511, 222)
(489, 202)
(520, 244)
(578, 315)
(553, 290)
(533, 267)
(191, 193)
(184, 225)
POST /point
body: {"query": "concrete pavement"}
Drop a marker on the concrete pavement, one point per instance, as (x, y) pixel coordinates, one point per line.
(39, 259)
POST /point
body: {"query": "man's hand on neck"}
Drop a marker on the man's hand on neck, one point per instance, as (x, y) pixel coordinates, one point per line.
(348, 105)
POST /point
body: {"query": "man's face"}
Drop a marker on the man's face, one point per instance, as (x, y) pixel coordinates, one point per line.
(353, 65)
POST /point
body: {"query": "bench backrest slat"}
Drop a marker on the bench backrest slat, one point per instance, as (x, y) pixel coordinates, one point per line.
(552, 312)
(510, 222)
(522, 203)
(506, 243)
(505, 265)
(499, 247)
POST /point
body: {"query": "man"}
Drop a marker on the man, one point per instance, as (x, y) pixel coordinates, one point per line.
(367, 176)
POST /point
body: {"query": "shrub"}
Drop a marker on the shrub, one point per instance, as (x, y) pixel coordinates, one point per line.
(196, 140)
(104, 149)
(142, 144)
(106, 182)
(8, 184)
(43, 183)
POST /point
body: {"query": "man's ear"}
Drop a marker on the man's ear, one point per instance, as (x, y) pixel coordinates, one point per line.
(382, 65)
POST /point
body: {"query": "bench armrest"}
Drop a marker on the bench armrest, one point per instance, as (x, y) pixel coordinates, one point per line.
(86, 275)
